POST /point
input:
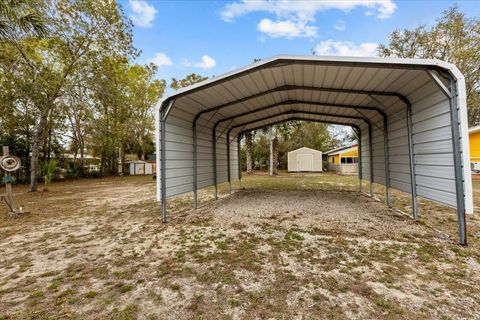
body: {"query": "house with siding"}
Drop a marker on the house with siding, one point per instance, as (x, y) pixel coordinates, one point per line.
(343, 160)
(474, 137)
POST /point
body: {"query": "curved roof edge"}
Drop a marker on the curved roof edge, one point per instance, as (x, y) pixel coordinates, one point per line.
(452, 69)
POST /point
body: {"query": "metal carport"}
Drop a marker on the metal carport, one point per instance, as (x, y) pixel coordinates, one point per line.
(410, 114)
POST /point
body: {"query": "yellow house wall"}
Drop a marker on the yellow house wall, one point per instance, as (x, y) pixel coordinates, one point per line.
(474, 146)
(336, 159)
(353, 153)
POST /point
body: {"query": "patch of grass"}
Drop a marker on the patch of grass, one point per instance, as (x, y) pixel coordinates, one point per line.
(234, 302)
(129, 312)
(124, 288)
(90, 294)
(196, 303)
(37, 294)
(389, 306)
(427, 252)
(180, 254)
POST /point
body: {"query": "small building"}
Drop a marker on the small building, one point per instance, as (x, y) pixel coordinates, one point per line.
(474, 137)
(343, 160)
(305, 160)
(141, 167)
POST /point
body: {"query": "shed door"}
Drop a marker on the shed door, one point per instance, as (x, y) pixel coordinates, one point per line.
(305, 162)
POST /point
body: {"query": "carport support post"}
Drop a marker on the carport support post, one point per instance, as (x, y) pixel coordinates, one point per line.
(370, 158)
(387, 165)
(457, 161)
(239, 158)
(228, 163)
(163, 163)
(214, 148)
(359, 136)
(412, 162)
(195, 192)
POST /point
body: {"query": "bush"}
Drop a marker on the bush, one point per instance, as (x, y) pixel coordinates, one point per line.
(49, 169)
(74, 170)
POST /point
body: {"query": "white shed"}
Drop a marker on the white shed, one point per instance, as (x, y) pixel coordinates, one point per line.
(141, 167)
(305, 160)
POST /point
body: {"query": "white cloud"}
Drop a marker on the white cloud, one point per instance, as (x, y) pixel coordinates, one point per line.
(286, 29)
(346, 48)
(161, 59)
(303, 8)
(143, 13)
(294, 18)
(340, 25)
(206, 63)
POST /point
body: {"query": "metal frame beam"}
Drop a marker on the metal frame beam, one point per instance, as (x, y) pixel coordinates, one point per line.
(229, 178)
(299, 119)
(239, 155)
(370, 158)
(164, 170)
(298, 112)
(413, 178)
(294, 87)
(359, 157)
(195, 181)
(292, 102)
(214, 142)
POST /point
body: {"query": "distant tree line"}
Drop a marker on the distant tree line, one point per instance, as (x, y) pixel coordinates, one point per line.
(68, 83)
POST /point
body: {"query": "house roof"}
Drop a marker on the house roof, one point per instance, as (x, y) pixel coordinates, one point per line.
(341, 150)
(474, 129)
(139, 161)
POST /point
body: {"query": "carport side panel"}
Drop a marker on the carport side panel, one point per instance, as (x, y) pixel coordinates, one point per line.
(433, 150)
(179, 156)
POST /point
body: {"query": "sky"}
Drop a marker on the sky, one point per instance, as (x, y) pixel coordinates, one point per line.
(214, 37)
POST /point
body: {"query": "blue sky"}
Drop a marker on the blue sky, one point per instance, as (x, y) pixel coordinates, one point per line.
(213, 37)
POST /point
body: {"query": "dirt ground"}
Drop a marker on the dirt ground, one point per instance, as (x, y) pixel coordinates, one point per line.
(288, 247)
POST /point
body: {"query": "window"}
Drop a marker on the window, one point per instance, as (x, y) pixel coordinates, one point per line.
(348, 160)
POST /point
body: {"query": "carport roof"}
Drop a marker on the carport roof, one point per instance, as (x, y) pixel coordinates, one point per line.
(341, 74)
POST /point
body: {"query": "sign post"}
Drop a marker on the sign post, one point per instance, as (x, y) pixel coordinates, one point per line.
(9, 164)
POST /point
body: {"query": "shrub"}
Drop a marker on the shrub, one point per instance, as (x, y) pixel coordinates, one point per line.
(49, 168)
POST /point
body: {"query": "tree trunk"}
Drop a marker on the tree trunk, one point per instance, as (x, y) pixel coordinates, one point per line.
(275, 155)
(122, 160)
(248, 151)
(37, 140)
(271, 165)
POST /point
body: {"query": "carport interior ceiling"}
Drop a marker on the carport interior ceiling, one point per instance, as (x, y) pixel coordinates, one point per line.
(402, 109)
